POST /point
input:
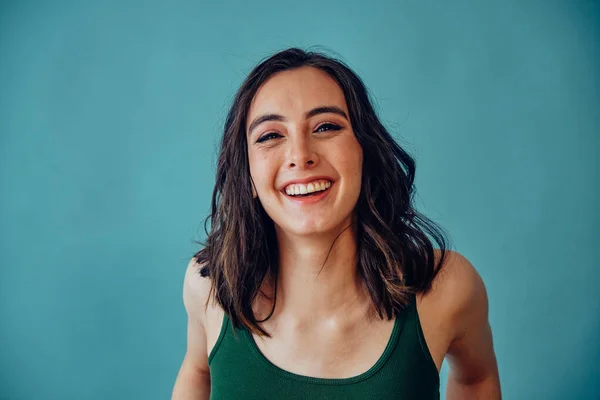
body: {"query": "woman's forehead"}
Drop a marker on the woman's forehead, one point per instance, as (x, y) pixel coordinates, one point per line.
(295, 92)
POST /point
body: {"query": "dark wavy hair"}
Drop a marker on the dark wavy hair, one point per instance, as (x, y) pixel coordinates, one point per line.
(395, 256)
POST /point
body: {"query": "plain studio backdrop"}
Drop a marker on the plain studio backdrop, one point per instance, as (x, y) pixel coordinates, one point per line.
(110, 116)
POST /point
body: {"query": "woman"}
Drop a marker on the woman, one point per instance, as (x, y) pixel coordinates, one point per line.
(318, 278)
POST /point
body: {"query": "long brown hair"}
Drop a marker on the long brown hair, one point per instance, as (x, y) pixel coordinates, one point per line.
(395, 255)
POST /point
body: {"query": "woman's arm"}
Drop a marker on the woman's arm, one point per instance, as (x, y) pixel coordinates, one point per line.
(193, 380)
(473, 366)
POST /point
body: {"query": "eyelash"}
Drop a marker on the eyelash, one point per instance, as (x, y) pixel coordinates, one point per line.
(273, 135)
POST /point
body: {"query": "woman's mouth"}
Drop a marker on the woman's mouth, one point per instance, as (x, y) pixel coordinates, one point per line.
(308, 193)
(304, 190)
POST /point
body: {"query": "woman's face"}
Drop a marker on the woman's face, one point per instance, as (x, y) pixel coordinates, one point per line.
(300, 141)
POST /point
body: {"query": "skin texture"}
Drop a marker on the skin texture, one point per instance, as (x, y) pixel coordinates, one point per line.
(323, 319)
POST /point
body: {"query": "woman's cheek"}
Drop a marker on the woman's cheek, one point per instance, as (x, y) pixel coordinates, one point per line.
(263, 175)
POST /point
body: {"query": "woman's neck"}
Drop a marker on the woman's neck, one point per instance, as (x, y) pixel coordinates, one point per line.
(318, 276)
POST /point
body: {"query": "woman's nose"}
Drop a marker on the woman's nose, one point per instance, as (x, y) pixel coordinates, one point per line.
(301, 153)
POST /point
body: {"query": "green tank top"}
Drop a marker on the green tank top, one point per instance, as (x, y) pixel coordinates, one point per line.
(405, 370)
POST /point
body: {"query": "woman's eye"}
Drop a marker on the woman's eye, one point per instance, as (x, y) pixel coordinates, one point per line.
(328, 127)
(268, 136)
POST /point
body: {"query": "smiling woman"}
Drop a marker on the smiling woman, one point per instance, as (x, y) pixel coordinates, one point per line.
(319, 279)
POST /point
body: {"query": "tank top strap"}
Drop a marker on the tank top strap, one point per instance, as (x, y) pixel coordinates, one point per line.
(223, 331)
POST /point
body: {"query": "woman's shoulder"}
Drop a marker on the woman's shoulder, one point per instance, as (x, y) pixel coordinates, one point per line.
(196, 288)
(457, 293)
(198, 297)
(462, 279)
(457, 285)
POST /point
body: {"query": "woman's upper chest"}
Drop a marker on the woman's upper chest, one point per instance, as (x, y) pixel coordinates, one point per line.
(333, 350)
(336, 352)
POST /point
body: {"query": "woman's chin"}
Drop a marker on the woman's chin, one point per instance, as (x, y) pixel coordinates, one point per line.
(308, 228)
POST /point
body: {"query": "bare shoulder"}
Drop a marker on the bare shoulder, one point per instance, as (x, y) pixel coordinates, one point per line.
(458, 292)
(200, 305)
(460, 279)
(196, 290)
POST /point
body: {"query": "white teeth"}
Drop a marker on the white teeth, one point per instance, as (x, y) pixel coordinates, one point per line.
(299, 188)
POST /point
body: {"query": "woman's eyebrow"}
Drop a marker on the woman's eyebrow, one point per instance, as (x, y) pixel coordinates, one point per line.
(264, 118)
(324, 110)
(315, 111)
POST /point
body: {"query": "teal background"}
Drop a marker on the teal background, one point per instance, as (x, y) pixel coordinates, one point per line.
(110, 115)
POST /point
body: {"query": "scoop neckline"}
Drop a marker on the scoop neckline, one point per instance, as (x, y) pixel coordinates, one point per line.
(389, 348)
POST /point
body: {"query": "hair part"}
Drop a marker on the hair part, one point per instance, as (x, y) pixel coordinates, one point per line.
(395, 256)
